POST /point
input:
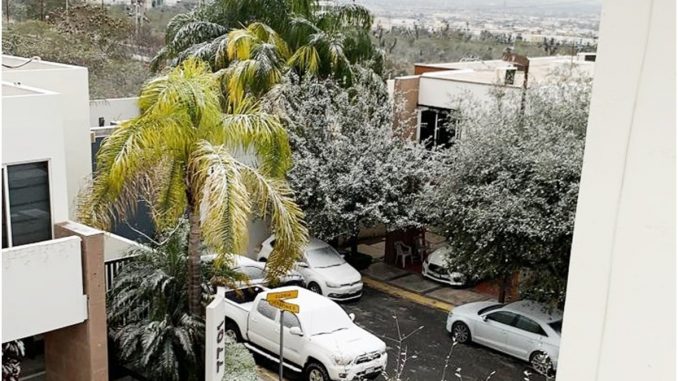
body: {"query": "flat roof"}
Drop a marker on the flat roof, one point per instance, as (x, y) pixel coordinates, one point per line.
(486, 72)
(14, 90)
(34, 63)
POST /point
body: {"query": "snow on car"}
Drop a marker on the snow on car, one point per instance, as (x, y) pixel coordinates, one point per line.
(324, 270)
(256, 272)
(321, 341)
(435, 268)
(527, 330)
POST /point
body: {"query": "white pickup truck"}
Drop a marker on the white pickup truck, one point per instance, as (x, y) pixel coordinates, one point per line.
(321, 341)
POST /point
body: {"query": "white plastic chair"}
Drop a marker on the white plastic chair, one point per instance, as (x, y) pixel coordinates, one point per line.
(403, 251)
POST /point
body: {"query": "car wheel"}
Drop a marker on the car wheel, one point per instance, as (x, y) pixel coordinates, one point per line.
(316, 372)
(232, 331)
(461, 333)
(542, 364)
(315, 287)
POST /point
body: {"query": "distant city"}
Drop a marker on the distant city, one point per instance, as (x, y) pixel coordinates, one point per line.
(565, 21)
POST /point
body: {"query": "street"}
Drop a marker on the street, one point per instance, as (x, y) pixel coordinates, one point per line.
(426, 349)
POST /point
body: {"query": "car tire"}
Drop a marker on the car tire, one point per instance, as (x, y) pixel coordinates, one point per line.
(461, 333)
(542, 364)
(233, 331)
(315, 371)
(315, 287)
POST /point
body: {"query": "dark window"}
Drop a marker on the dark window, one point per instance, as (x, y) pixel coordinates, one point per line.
(438, 127)
(557, 326)
(290, 320)
(502, 317)
(529, 325)
(29, 203)
(266, 309)
(5, 242)
(273, 243)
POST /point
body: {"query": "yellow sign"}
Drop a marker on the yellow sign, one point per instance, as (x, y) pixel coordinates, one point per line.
(289, 307)
(277, 300)
(282, 295)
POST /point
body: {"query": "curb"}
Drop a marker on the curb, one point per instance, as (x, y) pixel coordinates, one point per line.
(406, 294)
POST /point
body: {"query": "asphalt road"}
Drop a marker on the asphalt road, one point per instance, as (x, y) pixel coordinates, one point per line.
(427, 348)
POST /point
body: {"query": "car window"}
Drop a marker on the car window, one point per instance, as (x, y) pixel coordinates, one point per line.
(503, 317)
(557, 326)
(272, 243)
(290, 320)
(529, 325)
(266, 309)
(252, 272)
(324, 257)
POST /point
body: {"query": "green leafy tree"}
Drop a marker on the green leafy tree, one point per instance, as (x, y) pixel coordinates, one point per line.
(12, 354)
(507, 191)
(180, 154)
(279, 35)
(351, 169)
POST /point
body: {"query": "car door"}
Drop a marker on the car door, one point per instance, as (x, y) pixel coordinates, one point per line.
(493, 329)
(524, 337)
(292, 344)
(262, 328)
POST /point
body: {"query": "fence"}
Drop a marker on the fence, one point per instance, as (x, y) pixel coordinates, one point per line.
(112, 268)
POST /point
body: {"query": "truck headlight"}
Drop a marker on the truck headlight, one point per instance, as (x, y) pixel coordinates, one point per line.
(332, 285)
(342, 359)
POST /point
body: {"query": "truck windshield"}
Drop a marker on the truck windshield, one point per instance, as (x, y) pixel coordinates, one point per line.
(329, 319)
(323, 257)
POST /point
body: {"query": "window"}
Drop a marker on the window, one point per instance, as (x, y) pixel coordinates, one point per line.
(27, 216)
(266, 309)
(290, 320)
(557, 326)
(529, 325)
(502, 317)
(438, 127)
(252, 272)
(5, 236)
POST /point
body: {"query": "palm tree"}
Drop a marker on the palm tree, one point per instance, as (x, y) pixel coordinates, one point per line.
(179, 154)
(148, 315)
(323, 41)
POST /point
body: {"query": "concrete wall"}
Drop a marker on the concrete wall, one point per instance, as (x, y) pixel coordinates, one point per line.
(112, 109)
(619, 321)
(72, 83)
(406, 96)
(42, 288)
(438, 92)
(32, 131)
(116, 247)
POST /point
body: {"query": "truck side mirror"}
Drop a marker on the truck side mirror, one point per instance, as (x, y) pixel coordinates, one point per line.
(352, 316)
(296, 331)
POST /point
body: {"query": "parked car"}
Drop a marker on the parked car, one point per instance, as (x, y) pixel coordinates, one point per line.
(434, 267)
(256, 272)
(324, 270)
(321, 341)
(525, 329)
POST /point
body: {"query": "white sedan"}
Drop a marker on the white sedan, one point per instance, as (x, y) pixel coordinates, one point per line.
(526, 330)
(256, 272)
(324, 270)
(435, 268)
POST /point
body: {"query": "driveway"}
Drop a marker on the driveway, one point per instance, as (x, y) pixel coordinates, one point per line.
(428, 348)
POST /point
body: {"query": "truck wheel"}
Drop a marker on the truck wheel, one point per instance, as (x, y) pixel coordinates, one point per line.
(316, 372)
(233, 332)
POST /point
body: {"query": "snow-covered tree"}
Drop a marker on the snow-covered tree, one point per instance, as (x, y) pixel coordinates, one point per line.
(351, 169)
(239, 363)
(507, 191)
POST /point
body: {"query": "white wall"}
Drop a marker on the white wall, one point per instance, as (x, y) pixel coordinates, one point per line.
(72, 83)
(112, 109)
(31, 301)
(117, 247)
(436, 92)
(619, 319)
(29, 136)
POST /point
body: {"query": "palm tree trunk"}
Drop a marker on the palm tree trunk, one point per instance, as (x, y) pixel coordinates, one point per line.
(193, 286)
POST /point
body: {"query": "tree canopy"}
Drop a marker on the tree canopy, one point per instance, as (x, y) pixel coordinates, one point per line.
(506, 193)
